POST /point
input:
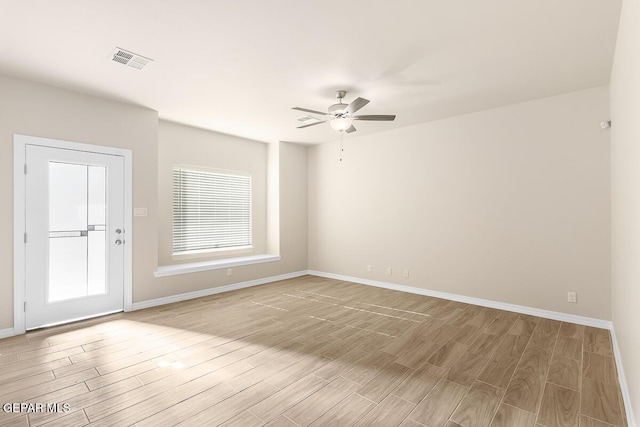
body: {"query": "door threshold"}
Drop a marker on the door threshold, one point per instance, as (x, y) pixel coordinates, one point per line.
(78, 319)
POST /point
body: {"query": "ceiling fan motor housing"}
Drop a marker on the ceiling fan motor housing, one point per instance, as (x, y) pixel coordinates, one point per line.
(338, 109)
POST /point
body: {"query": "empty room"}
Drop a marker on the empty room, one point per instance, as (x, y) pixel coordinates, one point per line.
(320, 213)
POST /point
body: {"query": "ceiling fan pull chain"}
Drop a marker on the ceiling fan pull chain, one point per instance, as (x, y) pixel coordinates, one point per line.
(341, 144)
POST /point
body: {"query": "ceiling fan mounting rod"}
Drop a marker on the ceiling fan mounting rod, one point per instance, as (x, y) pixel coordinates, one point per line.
(341, 94)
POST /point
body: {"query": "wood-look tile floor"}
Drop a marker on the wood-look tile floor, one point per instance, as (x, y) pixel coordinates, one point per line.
(314, 352)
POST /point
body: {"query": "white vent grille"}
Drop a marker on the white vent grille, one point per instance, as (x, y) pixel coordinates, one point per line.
(129, 58)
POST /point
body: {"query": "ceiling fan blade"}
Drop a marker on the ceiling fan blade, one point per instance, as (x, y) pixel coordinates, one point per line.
(352, 128)
(357, 104)
(312, 124)
(376, 117)
(306, 110)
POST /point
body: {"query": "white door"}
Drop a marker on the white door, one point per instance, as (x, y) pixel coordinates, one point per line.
(74, 235)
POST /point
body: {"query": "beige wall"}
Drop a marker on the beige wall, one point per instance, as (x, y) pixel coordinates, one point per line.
(510, 205)
(186, 145)
(293, 207)
(34, 109)
(625, 185)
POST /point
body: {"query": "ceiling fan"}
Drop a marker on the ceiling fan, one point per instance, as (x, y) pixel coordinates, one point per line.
(341, 115)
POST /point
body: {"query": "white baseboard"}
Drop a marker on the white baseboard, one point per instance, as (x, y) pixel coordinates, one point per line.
(547, 314)
(210, 291)
(6, 333)
(626, 397)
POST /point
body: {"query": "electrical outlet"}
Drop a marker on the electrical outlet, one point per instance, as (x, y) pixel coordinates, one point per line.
(369, 268)
(389, 271)
(405, 273)
(572, 297)
(229, 272)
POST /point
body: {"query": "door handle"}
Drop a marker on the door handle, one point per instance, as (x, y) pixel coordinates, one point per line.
(119, 242)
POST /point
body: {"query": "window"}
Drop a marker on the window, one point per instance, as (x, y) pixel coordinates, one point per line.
(211, 210)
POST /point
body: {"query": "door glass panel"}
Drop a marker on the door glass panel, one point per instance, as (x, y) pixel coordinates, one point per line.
(77, 231)
(96, 273)
(67, 197)
(67, 268)
(96, 194)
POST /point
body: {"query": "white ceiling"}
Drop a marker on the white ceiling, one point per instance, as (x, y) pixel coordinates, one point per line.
(238, 67)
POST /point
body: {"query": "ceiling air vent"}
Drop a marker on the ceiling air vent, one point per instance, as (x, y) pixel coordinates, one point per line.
(129, 58)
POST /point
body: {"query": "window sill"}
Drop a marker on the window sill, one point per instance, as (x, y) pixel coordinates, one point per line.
(195, 267)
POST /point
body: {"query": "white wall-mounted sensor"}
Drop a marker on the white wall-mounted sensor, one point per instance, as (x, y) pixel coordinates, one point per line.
(605, 125)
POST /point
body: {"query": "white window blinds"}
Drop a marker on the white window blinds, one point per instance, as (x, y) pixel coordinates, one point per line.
(211, 210)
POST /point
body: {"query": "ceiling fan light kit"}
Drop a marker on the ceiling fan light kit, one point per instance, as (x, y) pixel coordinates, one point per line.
(341, 115)
(341, 123)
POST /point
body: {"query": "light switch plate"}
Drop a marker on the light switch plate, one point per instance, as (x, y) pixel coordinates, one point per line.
(139, 211)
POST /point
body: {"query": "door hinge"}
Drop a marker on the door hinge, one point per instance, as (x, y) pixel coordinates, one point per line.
(25, 306)
(25, 237)
(25, 168)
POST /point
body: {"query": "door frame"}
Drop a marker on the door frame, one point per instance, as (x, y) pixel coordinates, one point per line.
(19, 217)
